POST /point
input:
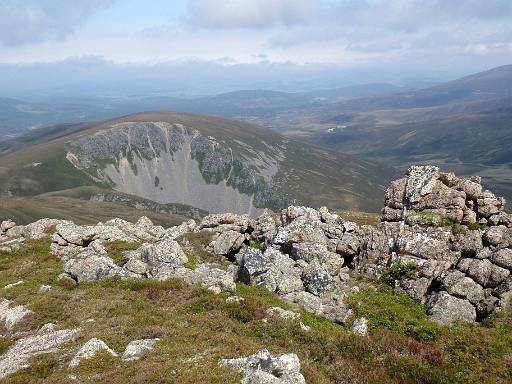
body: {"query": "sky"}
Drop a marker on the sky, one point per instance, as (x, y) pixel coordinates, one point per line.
(434, 37)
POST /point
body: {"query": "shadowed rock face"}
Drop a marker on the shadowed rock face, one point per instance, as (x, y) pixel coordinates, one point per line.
(170, 163)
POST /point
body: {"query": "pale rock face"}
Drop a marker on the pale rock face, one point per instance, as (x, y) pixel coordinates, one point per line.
(12, 316)
(136, 349)
(263, 368)
(171, 163)
(18, 356)
(89, 350)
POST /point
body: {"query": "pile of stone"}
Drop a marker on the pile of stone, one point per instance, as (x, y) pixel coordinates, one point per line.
(298, 254)
(455, 235)
(427, 189)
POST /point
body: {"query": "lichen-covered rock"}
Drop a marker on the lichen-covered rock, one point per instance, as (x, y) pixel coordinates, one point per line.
(228, 243)
(483, 272)
(306, 300)
(252, 265)
(502, 258)
(161, 254)
(283, 313)
(264, 368)
(360, 327)
(12, 316)
(459, 285)
(20, 353)
(499, 236)
(300, 231)
(317, 279)
(89, 350)
(221, 222)
(178, 231)
(94, 267)
(446, 309)
(6, 225)
(137, 348)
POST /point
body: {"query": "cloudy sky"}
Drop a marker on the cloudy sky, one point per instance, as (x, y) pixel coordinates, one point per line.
(459, 36)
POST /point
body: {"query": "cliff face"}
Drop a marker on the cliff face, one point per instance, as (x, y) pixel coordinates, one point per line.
(171, 163)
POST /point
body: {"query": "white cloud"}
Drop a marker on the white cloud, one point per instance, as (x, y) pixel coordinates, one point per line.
(32, 21)
(251, 13)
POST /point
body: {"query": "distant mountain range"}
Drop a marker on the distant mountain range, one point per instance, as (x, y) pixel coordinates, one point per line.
(18, 116)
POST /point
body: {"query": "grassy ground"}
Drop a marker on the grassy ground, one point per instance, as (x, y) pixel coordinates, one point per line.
(25, 210)
(198, 328)
(360, 218)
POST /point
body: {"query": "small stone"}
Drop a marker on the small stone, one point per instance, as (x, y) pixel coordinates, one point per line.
(234, 299)
(304, 327)
(9, 286)
(136, 349)
(65, 280)
(360, 327)
(44, 288)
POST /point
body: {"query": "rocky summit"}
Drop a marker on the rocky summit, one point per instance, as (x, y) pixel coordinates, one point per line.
(444, 241)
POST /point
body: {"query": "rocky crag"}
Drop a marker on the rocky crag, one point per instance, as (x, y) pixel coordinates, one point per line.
(443, 240)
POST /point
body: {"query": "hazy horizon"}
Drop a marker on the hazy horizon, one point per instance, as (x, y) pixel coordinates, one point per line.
(191, 47)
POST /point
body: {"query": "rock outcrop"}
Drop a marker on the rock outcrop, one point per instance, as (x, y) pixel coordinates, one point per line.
(264, 368)
(444, 240)
(18, 356)
(447, 242)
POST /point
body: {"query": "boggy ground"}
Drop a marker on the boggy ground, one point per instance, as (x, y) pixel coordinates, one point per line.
(198, 328)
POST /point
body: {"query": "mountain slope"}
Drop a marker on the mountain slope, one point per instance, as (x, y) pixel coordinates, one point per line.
(493, 84)
(207, 162)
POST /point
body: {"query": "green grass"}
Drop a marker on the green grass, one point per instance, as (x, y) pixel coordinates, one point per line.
(398, 272)
(197, 328)
(397, 312)
(116, 249)
(194, 244)
(256, 245)
(428, 219)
